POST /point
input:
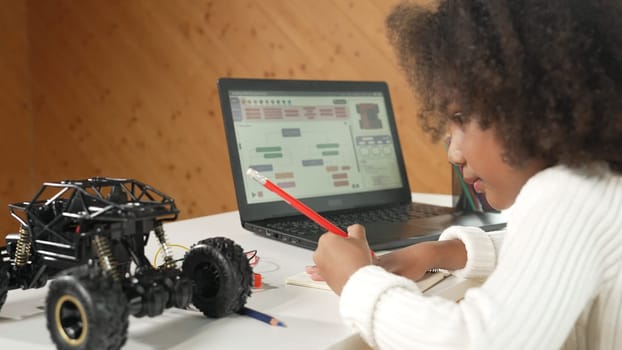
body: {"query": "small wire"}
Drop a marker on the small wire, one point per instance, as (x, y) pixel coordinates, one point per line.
(159, 250)
(253, 258)
(251, 254)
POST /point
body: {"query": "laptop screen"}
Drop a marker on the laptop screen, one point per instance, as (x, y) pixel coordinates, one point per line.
(330, 140)
(314, 143)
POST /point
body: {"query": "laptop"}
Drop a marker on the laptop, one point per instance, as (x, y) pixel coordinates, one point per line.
(333, 145)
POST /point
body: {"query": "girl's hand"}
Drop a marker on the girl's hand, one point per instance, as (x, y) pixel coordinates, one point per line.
(413, 261)
(337, 258)
(314, 271)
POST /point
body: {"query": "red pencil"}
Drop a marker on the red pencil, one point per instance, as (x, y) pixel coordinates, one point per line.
(300, 206)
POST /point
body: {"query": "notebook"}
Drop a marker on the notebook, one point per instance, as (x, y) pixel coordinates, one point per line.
(303, 279)
(333, 145)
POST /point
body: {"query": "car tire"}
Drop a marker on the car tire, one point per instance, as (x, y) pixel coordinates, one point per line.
(4, 281)
(86, 309)
(221, 275)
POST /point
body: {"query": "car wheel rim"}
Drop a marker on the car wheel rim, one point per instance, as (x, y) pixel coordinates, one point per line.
(71, 320)
(207, 277)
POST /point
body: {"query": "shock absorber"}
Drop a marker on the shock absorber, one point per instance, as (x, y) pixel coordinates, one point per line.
(168, 253)
(22, 249)
(104, 254)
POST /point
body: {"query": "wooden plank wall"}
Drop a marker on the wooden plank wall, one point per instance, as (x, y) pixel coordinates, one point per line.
(128, 88)
(16, 131)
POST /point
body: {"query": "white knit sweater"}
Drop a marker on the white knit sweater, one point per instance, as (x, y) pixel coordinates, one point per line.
(554, 280)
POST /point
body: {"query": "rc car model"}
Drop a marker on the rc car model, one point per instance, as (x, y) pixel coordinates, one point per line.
(89, 236)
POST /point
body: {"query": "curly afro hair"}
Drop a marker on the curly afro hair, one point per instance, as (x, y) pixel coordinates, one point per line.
(545, 74)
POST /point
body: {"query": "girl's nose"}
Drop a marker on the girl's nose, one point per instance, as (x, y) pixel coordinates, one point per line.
(454, 152)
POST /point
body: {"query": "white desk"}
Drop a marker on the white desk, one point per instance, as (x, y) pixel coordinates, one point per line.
(311, 315)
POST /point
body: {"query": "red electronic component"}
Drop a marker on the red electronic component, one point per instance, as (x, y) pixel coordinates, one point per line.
(257, 280)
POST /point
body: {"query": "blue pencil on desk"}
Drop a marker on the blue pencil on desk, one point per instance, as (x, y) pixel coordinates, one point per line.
(261, 317)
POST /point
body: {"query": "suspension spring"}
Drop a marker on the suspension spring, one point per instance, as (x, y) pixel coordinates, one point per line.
(104, 254)
(168, 253)
(22, 250)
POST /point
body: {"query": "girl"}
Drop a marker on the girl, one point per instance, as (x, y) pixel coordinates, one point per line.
(530, 92)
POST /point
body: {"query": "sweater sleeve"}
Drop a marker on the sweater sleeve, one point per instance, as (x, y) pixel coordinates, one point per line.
(481, 247)
(546, 275)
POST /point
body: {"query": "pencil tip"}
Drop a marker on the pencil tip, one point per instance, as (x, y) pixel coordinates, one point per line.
(275, 322)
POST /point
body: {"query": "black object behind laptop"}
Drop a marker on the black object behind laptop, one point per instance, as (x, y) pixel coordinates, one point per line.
(333, 145)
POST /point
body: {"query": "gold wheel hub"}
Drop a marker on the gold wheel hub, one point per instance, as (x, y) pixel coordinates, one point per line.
(71, 321)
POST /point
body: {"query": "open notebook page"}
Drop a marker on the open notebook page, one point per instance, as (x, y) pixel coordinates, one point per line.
(304, 280)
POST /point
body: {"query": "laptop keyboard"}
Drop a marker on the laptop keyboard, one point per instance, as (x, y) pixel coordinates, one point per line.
(402, 213)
